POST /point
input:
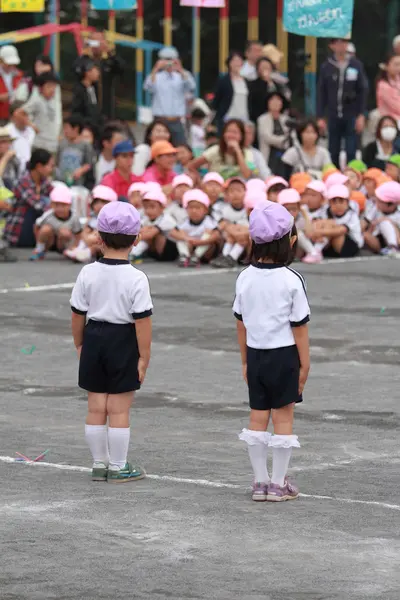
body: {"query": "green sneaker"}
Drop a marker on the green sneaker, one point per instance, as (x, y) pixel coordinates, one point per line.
(127, 473)
(99, 472)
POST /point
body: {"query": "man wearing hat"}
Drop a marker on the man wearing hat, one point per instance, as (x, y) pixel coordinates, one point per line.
(169, 84)
(10, 78)
(121, 179)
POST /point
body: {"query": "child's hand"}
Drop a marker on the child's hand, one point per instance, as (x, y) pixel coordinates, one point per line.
(303, 378)
(142, 369)
(244, 372)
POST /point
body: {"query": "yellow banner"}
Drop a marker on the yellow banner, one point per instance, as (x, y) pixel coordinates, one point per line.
(22, 5)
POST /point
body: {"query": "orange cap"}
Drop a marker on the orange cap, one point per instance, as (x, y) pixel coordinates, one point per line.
(299, 181)
(383, 178)
(359, 197)
(328, 173)
(373, 174)
(162, 147)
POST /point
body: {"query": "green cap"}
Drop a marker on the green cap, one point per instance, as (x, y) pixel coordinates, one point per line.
(395, 160)
(357, 165)
(329, 167)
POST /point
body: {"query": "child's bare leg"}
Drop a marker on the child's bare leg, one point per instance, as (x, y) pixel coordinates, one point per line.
(389, 232)
(118, 406)
(45, 236)
(257, 439)
(282, 442)
(64, 238)
(372, 242)
(159, 243)
(337, 243)
(96, 427)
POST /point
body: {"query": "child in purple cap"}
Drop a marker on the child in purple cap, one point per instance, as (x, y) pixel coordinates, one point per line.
(111, 326)
(272, 313)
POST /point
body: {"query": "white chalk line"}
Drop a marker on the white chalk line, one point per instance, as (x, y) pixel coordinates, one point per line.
(181, 274)
(201, 482)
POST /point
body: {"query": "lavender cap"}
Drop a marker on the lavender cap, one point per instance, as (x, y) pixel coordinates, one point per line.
(119, 217)
(269, 221)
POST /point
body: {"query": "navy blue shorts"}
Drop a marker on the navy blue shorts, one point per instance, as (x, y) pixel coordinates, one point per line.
(109, 358)
(273, 377)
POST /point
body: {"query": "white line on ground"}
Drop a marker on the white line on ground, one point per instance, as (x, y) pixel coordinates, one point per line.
(200, 482)
(181, 274)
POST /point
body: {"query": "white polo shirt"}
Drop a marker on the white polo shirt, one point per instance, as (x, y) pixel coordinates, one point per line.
(236, 216)
(165, 223)
(270, 299)
(176, 212)
(197, 230)
(113, 291)
(351, 220)
(372, 213)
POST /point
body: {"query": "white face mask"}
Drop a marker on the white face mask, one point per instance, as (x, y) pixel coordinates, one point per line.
(388, 134)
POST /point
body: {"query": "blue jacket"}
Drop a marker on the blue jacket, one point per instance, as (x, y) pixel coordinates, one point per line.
(342, 93)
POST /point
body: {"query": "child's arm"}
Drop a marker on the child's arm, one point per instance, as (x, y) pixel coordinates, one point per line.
(78, 173)
(143, 334)
(78, 326)
(212, 238)
(178, 235)
(300, 335)
(148, 232)
(241, 334)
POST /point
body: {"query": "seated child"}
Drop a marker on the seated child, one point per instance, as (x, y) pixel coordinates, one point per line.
(136, 193)
(291, 200)
(74, 156)
(274, 186)
(111, 327)
(299, 181)
(354, 171)
(213, 186)
(371, 177)
(342, 179)
(257, 185)
(180, 185)
(156, 226)
(392, 168)
(314, 197)
(198, 238)
(89, 246)
(340, 231)
(234, 225)
(58, 228)
(382, 220)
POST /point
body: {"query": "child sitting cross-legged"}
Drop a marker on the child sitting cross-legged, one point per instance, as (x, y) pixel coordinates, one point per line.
(136, 193)
(274, 186)
(180, 185)
(156, 227)
(234, 225)
(381, 223)
(198, 237)
(213, 185)
(58, 228)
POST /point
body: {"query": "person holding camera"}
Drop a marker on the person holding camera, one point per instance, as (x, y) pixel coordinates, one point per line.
(342, 98)
(169, 84)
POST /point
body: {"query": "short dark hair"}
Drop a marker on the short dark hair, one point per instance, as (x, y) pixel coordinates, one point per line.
(379, 127)
(150, 128)
(263, 59)
(39, 157)
(197, 113)
(16, 105)
(232, 55)
(251, 43)
(117, 241)
(46, 78)
(75, 121)
(278, 187)
(303, 125)
(279, 251)
(108, 132)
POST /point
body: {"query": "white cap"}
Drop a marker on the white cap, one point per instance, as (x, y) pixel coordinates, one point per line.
(168, 53)
(396, 41)
(9, 55)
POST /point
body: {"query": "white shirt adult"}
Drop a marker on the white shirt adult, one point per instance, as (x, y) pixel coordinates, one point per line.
(22, 143)
(249, 71)
(168, 85)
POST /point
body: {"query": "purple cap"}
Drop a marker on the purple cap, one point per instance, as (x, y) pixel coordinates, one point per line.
(119, 217)
(269, 221)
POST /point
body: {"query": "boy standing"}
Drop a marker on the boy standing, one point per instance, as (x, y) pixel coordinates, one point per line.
(111, 326)
(42, 111)
(75, 157)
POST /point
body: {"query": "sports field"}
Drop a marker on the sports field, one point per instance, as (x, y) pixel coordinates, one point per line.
(189, 531)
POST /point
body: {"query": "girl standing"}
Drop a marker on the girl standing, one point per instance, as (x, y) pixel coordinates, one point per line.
(272, 313)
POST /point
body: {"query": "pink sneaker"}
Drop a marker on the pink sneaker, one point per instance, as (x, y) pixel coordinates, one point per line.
(313, 258)
(260, 492)
(276, 493)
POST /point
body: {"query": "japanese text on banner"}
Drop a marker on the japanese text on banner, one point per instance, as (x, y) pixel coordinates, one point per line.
(319, 18)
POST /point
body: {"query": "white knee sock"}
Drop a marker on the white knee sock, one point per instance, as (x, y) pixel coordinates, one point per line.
(140, 249)
(237, 251)
(388, 231)
(118, 442)
(281, 452)
(257, 443)
(227, 249)
(183, 249)
(96, 438)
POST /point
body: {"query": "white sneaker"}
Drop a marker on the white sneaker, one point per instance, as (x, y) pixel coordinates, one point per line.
(83, 256)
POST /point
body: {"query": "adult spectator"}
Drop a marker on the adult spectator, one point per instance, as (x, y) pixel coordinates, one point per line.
(31, 198)
(342, 97)
(21, 133)
(388, 88)
(9, 163)
(85, 100)
(252, 54)
(110, 137)
(273, 133)
(275, 56)
(377, 153)
(261, 88)
(229, 158)
(261, 167)
(231, 94)
(169, 84)
(306, 155)
(110, 66)
(122, 177)
(161, 171)
(42, 112)
(157, 131)
(10, 78)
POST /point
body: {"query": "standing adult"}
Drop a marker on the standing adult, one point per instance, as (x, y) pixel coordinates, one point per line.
(388, 88)
(231, 94)
(110, 66)
(85, 101)
(261, 88)
(169, 84)
(121, 179)
(342, 98)
(253, 53)
(273, 133)
(10, 78)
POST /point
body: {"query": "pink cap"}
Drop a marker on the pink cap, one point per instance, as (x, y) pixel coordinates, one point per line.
(156, 196)
(61, 194)
(256, 184)
(317, 186)
(182, 180)
(212, 176)
(103, 192)
(289, 196)
(336, 179)
(195, 195)
(388, 192)
(253, 198)
(338, 191)
(151, 186)
(139, 186)
(275, 181)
